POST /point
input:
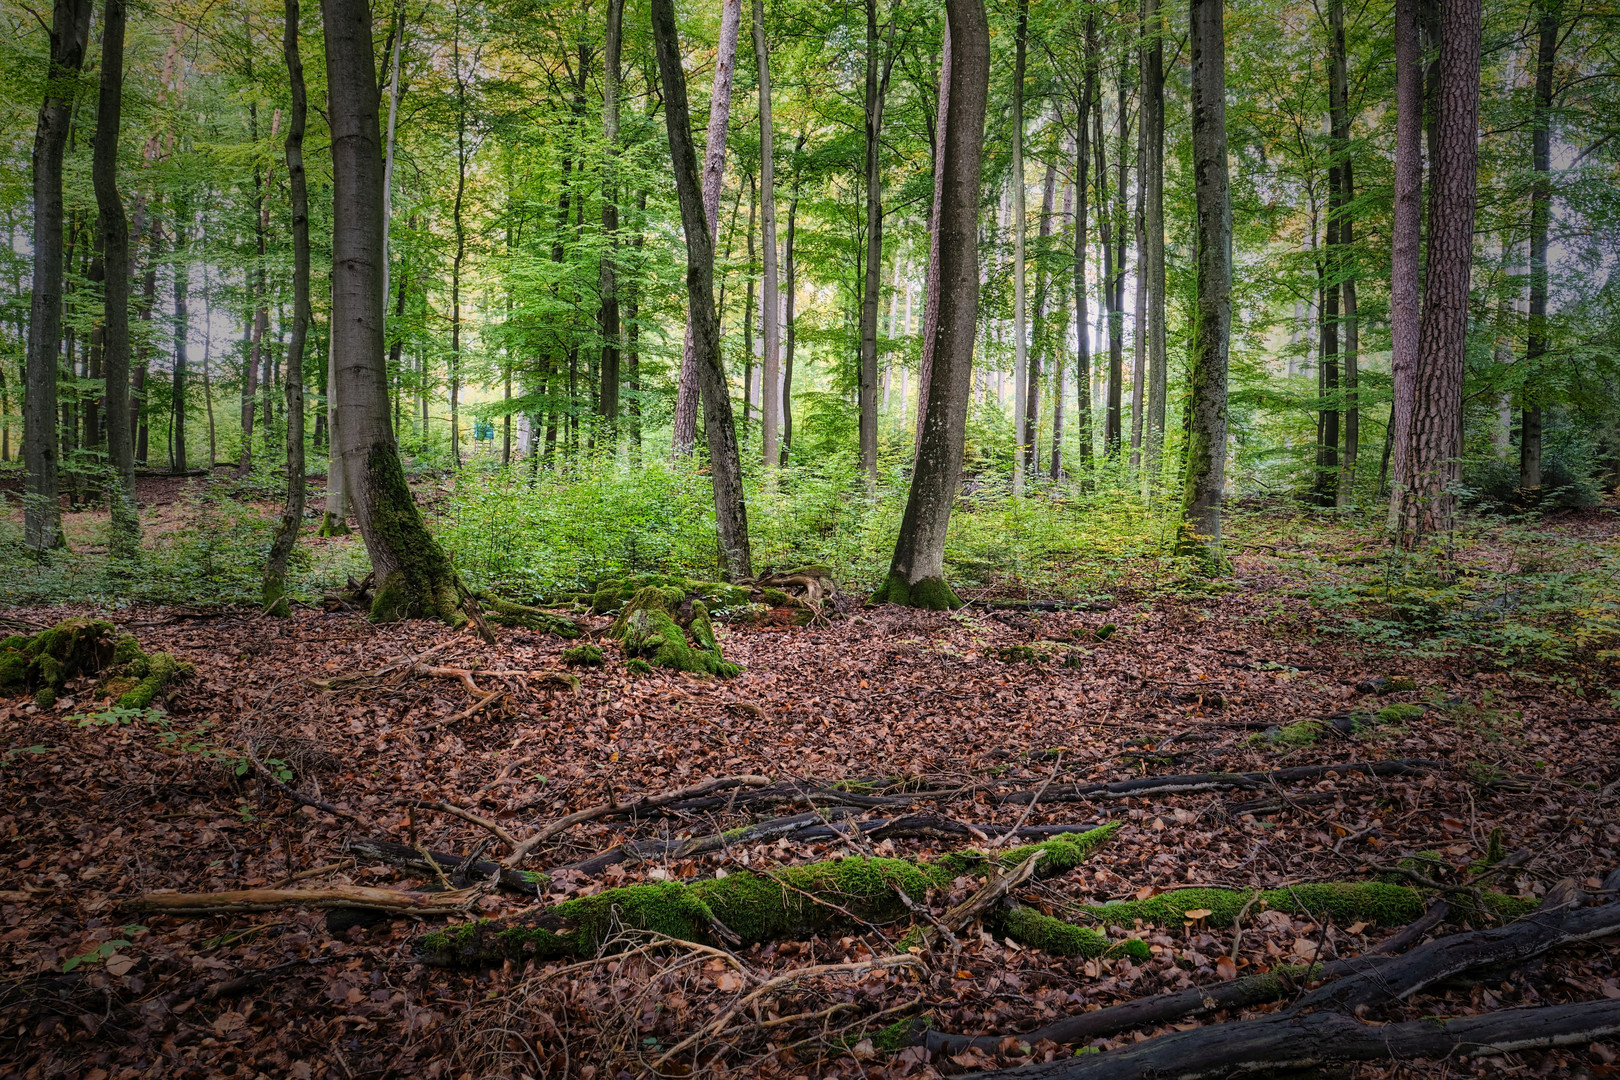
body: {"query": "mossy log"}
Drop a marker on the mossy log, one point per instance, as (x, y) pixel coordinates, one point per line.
(1343, 901)
(666, 628)
(523, 617)
(43, 663)
(748, 907)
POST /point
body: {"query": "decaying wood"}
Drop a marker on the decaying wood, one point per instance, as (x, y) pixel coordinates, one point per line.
(379, 849)
(335, 896)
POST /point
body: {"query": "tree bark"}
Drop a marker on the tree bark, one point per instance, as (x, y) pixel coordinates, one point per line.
(274, 596)
(258, 314)
(459, 225)
(124, 540)
(788, 339)
(42, 510)
(1350, 332)
(748, 307)
(413, 575)
(714, 167)
(877, 87)
(1425, 499)
(925, 367)
(1548, 17)
(1082, 314)
(1031, 403)
(609, 274)
(1055, 348)
(1151, 277)
(770, 369)
(1023, 448)
(731, 515)
(1405, 236)
(1212, 312)
(182, 337)
(917, 570)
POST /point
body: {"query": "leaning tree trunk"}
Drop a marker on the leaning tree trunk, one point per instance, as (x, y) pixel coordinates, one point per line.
(125, 535)
(917, 571)
(1425, 500)
(770, 370)
(1540, 214)
(1212, 311)
(731, 515)
(42, 511)
(1406, 237)
(292, 514)
(413, 575)
(714, 168)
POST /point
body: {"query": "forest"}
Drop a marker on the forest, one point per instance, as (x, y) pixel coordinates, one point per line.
(603, 539)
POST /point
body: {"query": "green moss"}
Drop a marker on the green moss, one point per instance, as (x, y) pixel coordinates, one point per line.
(587, 655)
(423, 583)
(1374, 901)
(505, 613)
(896, 1036)
(1029, 927)
(13, 671)
(931, 594)
(1400, 713)
(15, 643)
(162, 669)
(45, 697)
(126, 650)
(647, 629)
(637, 666)
(273, 596)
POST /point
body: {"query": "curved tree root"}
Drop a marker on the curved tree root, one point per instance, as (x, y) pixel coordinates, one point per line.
(523, 617)
(749, 907)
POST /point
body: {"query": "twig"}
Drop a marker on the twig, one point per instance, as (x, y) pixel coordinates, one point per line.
(297, 796)
(315, 871)
(466, 815)
(1006, 837)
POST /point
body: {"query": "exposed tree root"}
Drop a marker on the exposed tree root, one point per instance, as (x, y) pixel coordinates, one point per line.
(523, 617)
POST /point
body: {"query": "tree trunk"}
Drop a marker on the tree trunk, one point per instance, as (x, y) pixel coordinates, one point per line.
(770, 369)
(412, 573)
(633, 331)
(1325, 483)
(925, 367)
(1023, 443)
(1212, 312)
(788, 340)
(714, 168)
(138, 420)
(731, 515)
(1405, 236)
(1116, 301)
(1349, 331)
(1548, 18)
(1151, 278)
(609, 319)
(1031, 404)
(917, 571)
(182, 337)
(1082, 316)
(877, 88)
(1056, 349)
(748, 308)
(1112, 420)
(274, 596)
(1424, 500)
(42, 510)
(124, 540)
(257, 292)
(459, 224)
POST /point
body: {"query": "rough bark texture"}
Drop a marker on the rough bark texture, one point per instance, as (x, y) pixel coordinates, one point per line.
(274, 597)
(413, 575)
(731, 515)
(714, 168)
(1405, 236)
(1212, 313)
(1535, 345)
(917, 571)
(770, 395)
(42, 512)
(1424, 498)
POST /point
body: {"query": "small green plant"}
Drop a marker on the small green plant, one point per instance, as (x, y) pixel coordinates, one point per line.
(100, 952)
(116, 715)
(5, 759)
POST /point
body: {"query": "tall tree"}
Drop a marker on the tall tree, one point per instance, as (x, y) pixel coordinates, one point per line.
(917, 570)
(1151, 256)
(1031, 404)
(1424, 501)
(877, 88)
(114, 226)
(714, 169)
(42, 511)
(413, 575)
(1405, 312)
(274, 595)
(1024, 451)
(770, 372)
(1348, 327)
(1212, 311)
(609, 272)
(1548, 16)
(1082, 316)
(459, 224)
(931, 285)
(182, 337)
(731, 515)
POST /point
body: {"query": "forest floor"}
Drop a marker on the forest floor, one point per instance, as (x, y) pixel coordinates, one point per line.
(97, 809)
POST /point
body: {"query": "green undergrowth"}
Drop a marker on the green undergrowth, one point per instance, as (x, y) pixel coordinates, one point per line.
(1380, 902)
(790, 903)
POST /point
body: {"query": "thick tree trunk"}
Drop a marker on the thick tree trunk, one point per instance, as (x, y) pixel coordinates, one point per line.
(1405, 236)
(917, 571)
(292, 514)
(714, 168)
(412, 573)
(1212, 312)
(1151, 278)
(1023, 443)
(731, 515)
(125, 536)
(609, 274)
(1548, 18)
(770, 369)
(42, 511)
(925, 367)
(1424, 500)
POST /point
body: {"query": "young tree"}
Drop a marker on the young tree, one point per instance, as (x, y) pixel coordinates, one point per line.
(274, 596)
(413, 575)
(42, 511)
(1348, 327)
(608, 318)
(1549, 13)
(770, 375)
(1212, 312)
(1023, 450)
(731, 515)
(917, 570)
(1151, 279)
(931, 285)
(877, 88)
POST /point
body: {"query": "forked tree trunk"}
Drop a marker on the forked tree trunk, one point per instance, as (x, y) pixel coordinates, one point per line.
(917, 571)
(731, 515)
(770, 369)
(274, 596)
(42, 510)
(124, 541)
(714, 168)
(413, 576)
(609, 274)
(1405, 237)
(1540, 215)
(1425, 499)
(1212, 312)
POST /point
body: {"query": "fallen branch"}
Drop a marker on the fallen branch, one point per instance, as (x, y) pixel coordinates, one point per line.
(296, 795)
(1195, 782)
(377, 849)
(335, 896)
(465, 815)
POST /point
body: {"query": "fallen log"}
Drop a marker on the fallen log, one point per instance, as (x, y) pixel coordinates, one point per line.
(1195, 782)
(1291, 1041)
(335, 896)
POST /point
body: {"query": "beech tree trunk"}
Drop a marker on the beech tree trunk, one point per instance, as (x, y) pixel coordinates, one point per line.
(1031, 403)
(1212, 311)
(413, 576)
(182, 337)
(1424, 500)
(877, 87)
(42, 510)
(788, 339)
(1023, 450)
(917, 571)
(714, 168)
(609, 319)
(1535, 346)
(1056, 347)
(114, 226)
(1349, 332)
(770, 369)
(1151, 257)
(1082, 314)
(731, 515)
(459, 225)
(1405, 238)
(925, 367)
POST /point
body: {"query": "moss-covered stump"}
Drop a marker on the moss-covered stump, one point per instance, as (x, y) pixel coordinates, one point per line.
(931, 594)
(43, 664)
(523, 617)
(787, 904)
(1379, 902)
(666, 628)
(616, 594)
